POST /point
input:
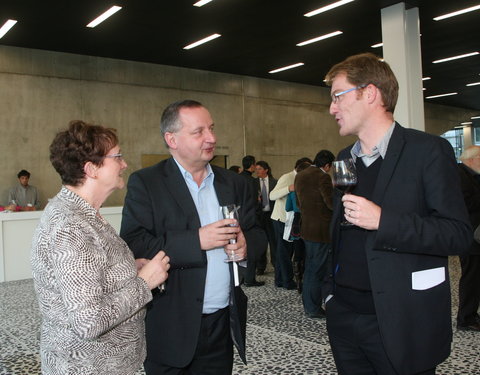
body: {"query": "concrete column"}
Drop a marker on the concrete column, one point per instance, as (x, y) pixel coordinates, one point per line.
(401, 49)
(467, 137)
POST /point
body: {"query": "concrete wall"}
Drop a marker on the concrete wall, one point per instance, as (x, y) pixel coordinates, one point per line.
(41, 91)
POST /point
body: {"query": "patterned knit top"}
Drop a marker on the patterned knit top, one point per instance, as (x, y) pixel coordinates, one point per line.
(91, 300)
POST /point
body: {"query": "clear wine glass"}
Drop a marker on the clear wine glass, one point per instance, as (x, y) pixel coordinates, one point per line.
(230, 211)
(344, 178)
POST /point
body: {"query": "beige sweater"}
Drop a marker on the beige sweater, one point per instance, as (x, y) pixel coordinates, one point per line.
(279, 195)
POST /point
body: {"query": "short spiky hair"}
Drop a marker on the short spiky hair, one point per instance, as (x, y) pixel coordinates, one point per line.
(323, 158)
(22, 173)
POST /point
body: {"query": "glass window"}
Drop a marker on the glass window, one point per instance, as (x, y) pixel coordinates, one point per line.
(455, 137)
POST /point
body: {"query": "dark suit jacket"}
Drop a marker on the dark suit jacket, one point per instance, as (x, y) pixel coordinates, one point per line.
(423, 220)
(257, 239)
(314, 191)
(471, 194)
(159, 213)
(271, 185)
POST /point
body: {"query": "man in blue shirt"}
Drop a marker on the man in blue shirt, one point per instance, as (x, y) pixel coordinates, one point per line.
(175, 206)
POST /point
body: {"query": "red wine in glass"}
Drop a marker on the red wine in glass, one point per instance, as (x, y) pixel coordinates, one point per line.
(344, 178)
(346, 187)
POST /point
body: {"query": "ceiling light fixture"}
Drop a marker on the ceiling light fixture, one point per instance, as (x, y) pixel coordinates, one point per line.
(201, 3)
(318, 38)
(439, 96)
(201, 41)
(474, 117)
(473, 84)
(104, 16)
(377, 45)
(327, 8)
(426, 78)
(287, 67)
(455, 57)
(466, 123)
(458, 12)
(6, 27)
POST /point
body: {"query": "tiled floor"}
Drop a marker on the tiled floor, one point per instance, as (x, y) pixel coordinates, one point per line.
(280, 340)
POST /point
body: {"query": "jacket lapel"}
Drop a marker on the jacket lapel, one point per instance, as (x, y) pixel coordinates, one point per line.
(394, 150)
(224, 191)
(175, 183)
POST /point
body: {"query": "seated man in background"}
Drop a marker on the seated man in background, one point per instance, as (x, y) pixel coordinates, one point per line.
(23, 197)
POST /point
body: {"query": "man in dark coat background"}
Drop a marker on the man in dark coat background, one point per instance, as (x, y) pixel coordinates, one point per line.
(469, 285)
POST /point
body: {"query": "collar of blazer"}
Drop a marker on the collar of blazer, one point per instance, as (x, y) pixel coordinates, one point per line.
(394, 150)
(175, 183)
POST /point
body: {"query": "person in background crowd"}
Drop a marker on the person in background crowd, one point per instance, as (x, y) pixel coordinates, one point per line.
(469, 285)
(175, 205)
(389, 305)
(257, 240)
(284, 250)
(264, 184)
(298, 244)
(90, 290)
(23, 197)
(235, 168)
(248, 167)
(314, 190)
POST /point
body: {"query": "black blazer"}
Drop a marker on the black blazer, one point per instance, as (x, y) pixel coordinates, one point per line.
(423, 221)
(271, 185)
(471, 194)
(159, 213)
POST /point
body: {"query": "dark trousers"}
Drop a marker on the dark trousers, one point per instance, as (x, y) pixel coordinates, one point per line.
(356, 343)
(266, 223)
(469, 290)
(316, 261)
(256, 248)
(214, 352)
(283, 258)
(299, 250)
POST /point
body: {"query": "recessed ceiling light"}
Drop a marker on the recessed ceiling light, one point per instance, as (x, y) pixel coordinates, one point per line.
(327, 7)
(6, 27)
(439, 96)
(201, 41)
(473, 84)
(201, 3)
(426, 78)
(474, 117)
(458, 12)
(466, 123)
(318, 38)
(104, 16)
(455, 57)
(377, 45)
(287, 67)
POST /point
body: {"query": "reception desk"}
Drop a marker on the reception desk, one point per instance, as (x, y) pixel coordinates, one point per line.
(16, 232)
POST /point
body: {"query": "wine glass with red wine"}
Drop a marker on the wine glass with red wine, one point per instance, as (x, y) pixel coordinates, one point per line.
(344, 178)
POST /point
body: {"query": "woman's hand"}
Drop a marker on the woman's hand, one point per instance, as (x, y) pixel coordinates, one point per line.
(154, 271)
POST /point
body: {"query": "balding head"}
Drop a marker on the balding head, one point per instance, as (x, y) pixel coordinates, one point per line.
(471, 158)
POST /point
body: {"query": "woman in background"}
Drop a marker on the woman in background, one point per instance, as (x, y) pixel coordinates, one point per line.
(91, 293)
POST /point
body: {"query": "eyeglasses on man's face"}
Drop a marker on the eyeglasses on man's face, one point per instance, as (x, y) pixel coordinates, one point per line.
(118, 157)
(336, 96)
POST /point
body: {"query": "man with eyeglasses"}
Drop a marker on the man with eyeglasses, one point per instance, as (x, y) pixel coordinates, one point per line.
(388, 306)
